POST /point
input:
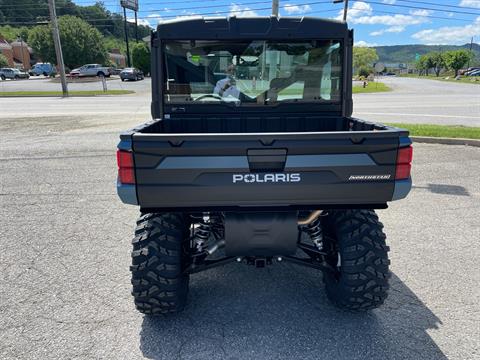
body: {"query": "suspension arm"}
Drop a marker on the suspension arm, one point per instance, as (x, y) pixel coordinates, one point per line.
(208, 264)
(311, 263)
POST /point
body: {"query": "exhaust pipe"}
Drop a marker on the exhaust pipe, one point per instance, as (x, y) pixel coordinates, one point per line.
(310, 218)
(219, 244)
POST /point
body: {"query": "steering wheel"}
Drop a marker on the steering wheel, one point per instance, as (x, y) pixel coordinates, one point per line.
(214, 96)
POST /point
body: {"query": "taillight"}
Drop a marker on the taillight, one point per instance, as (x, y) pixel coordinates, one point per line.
(404, 159)
(126, 172)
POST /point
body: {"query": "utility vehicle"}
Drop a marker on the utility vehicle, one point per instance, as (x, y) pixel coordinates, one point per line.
(264, 168)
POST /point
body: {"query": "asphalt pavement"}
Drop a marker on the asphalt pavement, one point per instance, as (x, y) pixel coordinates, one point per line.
(419, 101)
(412, 101)
(64, 265)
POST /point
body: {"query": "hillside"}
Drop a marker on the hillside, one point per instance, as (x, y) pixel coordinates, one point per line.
(407, 53)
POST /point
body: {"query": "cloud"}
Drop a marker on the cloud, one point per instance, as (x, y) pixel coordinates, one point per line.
(470, 3)
(296, 9)
(393, 29)
(449, 34)
(241, 11)
(140, 21)
(362, 43)
(391, 20)
(359, 8)
(361, 13)
(390, 2)
(421, 12)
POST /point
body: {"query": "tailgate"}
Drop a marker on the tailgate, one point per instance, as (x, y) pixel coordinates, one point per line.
(303, 170)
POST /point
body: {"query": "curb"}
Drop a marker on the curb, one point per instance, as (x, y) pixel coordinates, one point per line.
(446, 141)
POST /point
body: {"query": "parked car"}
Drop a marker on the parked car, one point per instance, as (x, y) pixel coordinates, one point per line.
(45, 69)
(14, 74)
(253, 177)
(474, 73)
(115, 71)
(131, 74)
(468, 71)
(91, 70)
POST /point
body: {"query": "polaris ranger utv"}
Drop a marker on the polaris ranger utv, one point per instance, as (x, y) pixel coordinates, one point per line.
(253, 157)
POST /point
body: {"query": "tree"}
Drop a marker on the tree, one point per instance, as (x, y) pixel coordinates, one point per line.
(108, 23)
(437, 61)
(457, 59)
(81, 42)
(141, 57)
(364, 57)
(3, 61)
(424, 63)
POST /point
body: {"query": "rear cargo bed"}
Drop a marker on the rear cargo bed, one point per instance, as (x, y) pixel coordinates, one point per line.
(256, 124)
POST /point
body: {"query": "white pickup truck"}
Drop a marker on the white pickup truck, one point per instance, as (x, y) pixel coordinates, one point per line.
(91, 70)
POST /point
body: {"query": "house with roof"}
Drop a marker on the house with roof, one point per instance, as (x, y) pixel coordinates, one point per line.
(18, 53)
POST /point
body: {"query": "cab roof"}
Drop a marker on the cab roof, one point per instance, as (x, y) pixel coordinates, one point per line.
(251, 28)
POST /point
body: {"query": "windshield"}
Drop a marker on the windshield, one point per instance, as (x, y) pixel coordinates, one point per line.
(252, 72)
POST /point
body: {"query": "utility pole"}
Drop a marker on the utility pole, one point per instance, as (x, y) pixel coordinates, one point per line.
(275, 8)
(23, 54)
(471, 47)
(136, 27)
(58, 46)
(345, 8)
(126, 37)
(272, 70)
(345, 11)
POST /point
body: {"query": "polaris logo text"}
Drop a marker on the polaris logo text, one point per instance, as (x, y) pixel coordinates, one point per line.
(266, 178)
(369, 177)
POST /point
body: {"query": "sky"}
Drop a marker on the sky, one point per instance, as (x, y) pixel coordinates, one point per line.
(376, 22)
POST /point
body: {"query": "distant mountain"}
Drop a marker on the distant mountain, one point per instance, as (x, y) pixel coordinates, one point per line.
(407, 53)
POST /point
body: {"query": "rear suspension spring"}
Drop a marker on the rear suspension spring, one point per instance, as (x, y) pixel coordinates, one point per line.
(314, 230)
(202, 233)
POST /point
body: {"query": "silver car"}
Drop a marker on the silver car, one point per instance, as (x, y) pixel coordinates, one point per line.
(14, 74)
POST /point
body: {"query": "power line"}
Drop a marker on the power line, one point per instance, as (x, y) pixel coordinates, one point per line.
(442, 5)
(107, 3)
(213, 6)
(418, 7)
(252, 9)
(426, 16)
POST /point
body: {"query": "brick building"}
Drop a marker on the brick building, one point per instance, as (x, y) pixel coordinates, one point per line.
(18, 53)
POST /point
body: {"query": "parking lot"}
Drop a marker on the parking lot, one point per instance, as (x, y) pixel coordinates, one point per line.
(65, 240)
(42, 83)
(414, 101)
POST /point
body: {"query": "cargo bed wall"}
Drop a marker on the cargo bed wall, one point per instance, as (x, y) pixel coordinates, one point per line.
(191, 124)
(307, 170)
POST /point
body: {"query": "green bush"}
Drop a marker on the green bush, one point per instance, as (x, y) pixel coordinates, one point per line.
(3, 61)
(141, 57)
(364, 72)
(81, 42)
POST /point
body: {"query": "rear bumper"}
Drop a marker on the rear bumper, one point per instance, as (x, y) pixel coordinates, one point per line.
(128, 76)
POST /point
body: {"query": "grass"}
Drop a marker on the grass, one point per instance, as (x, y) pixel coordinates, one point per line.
(464, 132)
(451, 78)
(70, 93)
(372, 87)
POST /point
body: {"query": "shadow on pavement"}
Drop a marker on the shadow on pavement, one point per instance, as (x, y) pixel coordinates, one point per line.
(281, 312)
(445, 189)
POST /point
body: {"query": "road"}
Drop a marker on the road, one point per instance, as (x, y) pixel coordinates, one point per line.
(64, 266)
(420, 101)
(412, 101)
